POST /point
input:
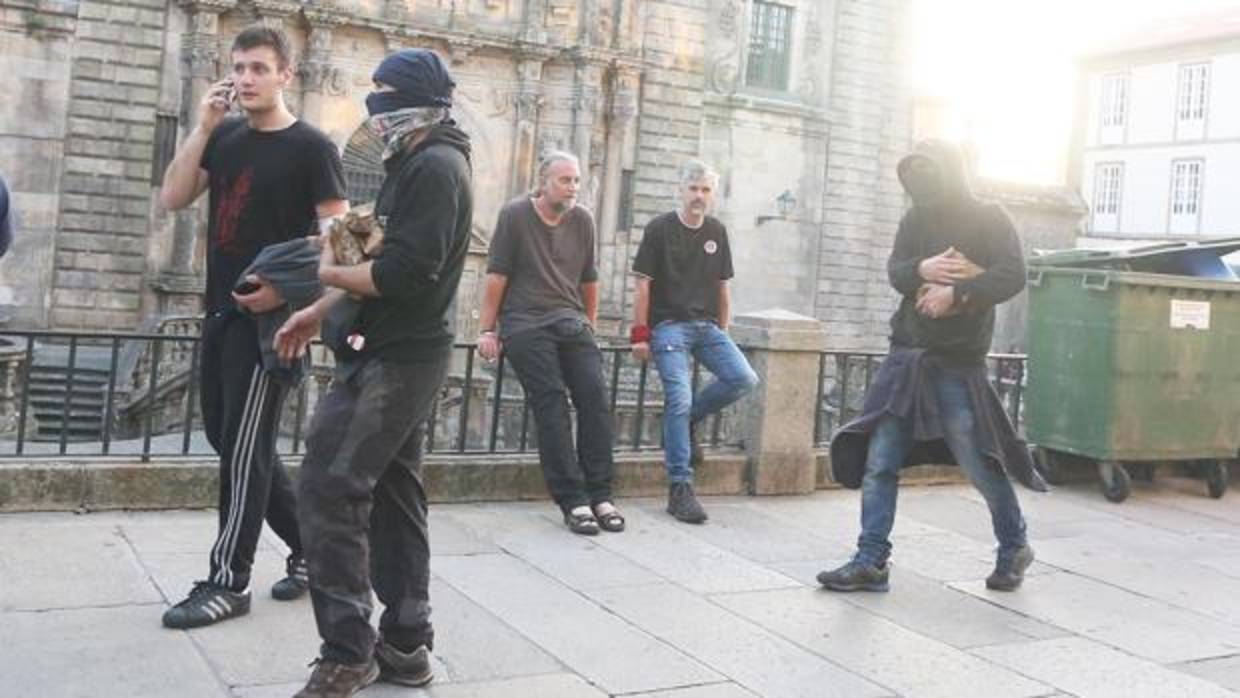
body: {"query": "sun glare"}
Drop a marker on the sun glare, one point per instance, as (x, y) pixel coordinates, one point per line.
(999, 74)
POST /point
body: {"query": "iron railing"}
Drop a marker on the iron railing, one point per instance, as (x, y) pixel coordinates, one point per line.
(146, 386)
(845, 376)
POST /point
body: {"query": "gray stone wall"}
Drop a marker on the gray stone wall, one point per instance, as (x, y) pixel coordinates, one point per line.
(105, 203)
(36, 40)
(870, 113)
(635, 87)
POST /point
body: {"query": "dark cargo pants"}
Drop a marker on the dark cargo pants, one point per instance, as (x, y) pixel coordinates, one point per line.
(363, 506)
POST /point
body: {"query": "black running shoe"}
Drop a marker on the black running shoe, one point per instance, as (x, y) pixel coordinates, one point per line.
(207, 603)
(1010, 570)
(296, 581)
(856, 576)
(405, 668)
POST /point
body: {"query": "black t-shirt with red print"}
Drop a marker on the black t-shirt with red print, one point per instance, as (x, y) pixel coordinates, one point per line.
(685, 266)
(264, 186)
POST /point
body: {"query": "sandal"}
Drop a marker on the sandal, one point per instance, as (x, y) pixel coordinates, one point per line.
(611, 521)
(581, 524)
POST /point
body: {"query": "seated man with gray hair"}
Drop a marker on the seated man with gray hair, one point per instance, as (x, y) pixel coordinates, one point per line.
(541, 302)
(681, 313)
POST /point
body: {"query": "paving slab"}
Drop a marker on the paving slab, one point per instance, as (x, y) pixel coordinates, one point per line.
(590, 640)
(472, 644)
(1083, 667)
(1181, 583)
(744, 651)
(740, 527)
(678, 556)
(714, 690)
(91, 566)
(79, 653)
(1224, 671)
(907, 662)
(547, 686)
(934, 609)
(541, 540)
(1139, 625)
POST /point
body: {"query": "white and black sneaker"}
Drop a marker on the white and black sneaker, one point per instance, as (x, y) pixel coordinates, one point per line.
(296, 581)
(207, 603)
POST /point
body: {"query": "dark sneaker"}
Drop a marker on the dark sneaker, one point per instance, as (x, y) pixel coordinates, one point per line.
(408, 669)
(295, 582)
(207, 603)
(336, 680)
(683, 504)
(856, 576)
(695, 448)
(1010, 570)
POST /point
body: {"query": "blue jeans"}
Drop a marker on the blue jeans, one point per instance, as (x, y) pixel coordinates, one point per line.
(672, 344)
(891, 442)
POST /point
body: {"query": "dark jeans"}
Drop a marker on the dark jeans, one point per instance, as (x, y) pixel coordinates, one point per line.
(890, 444)
(363, 506)
(556, 363)
(240, 414)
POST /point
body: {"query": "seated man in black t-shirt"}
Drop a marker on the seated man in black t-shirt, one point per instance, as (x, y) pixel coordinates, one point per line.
(270, 176)
(680, 313)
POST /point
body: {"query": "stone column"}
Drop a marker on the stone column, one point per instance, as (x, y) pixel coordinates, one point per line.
(618, 154)
(778, 416)
(319, 78)
(527, 103)
(176, 285)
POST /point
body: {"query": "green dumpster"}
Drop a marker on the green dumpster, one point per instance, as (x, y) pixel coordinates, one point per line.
(1132, 368)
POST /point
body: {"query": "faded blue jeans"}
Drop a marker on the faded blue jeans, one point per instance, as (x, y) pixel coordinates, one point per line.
(890, 444)
(673, 344)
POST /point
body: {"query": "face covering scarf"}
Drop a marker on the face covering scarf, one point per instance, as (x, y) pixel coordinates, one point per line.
(395, 127)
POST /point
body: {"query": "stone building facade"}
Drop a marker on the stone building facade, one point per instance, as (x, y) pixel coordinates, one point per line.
(801, 104)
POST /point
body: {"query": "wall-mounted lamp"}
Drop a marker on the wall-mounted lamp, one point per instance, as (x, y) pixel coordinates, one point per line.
(785, 203)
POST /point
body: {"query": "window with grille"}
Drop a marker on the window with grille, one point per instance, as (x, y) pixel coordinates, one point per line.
(1186, 178)
(1114, 100)
(1192, 99)
(1108, 185)
(165, 146)
(770, 46)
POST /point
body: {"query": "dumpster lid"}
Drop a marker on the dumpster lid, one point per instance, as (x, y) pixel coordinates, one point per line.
(1199, 259)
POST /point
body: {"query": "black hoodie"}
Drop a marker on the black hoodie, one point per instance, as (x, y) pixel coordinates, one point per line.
(426, 209)
(982, 232)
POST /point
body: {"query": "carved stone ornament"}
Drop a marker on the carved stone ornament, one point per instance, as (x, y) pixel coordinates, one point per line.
(322, 76)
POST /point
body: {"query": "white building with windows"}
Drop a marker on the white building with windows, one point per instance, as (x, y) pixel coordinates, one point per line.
(1156, 143)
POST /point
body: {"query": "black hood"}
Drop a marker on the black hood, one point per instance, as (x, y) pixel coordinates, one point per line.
(947, 158)
(447, 133)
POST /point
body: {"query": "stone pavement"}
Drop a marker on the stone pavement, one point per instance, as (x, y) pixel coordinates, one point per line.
(1138, 599)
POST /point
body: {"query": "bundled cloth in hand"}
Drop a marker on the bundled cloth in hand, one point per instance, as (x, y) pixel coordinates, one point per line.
(292, 268)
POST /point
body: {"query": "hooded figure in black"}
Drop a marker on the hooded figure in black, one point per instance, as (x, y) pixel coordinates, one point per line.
(953, 260)
(362, 498)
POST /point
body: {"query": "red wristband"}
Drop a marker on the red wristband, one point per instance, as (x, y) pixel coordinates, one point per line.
(639, 334)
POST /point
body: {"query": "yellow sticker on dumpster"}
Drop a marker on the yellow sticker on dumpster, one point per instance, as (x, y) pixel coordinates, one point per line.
(1193, 315)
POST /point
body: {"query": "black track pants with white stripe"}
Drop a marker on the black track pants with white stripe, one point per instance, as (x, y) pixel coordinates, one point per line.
(240, 409)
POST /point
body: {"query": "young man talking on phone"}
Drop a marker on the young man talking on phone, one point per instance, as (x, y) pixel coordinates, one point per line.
(271, 178)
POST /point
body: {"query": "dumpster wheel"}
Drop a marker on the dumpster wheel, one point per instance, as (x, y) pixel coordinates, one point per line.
(1217, 474)
(1116, 485)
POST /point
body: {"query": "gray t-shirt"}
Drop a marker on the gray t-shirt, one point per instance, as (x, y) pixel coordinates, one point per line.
(545, 265)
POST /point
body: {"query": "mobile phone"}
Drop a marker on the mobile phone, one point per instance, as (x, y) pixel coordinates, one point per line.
(245, 288)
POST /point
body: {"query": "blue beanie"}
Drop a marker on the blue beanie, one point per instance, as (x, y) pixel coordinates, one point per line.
(419, 76)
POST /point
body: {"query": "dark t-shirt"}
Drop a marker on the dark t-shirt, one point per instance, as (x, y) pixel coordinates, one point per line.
(545, 265)
(685, 266)
(264, 186)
